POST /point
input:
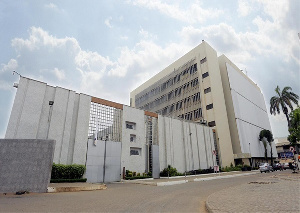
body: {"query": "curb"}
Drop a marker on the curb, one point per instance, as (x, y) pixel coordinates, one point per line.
(176, 182)
(223, 177)
(76, 188)
(169, 183)
(208, 207)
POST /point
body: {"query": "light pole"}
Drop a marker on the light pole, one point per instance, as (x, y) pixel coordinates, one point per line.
(250, 159)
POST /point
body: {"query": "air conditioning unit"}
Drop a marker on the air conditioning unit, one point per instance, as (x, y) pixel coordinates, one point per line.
(202, 121)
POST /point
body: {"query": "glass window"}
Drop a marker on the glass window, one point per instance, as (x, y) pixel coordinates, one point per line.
(209, 106)
(204, 75)
(207, 90)
(135, 151)
(130, 125)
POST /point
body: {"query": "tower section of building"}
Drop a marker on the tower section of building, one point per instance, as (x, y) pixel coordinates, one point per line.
(191, 89)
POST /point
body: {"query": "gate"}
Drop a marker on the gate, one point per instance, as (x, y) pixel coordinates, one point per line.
(104, 147)
(103, 161)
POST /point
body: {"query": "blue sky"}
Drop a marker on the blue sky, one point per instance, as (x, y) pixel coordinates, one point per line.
(108, 48)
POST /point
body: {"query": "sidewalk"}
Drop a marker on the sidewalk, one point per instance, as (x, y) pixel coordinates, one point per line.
(74, 187)
(276, 193)
(164, 181)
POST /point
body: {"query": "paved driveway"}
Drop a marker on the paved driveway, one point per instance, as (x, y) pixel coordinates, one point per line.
(189, 197)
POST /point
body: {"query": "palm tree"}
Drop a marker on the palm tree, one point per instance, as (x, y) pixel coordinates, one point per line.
(284, 100)
(266, 136)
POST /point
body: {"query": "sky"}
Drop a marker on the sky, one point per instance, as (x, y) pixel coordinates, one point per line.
(108, 48)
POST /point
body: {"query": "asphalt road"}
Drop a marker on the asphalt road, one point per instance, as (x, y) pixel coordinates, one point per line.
(125, 197)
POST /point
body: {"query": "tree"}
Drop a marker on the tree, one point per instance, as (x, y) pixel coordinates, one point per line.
(284, 101)
(266, 136)
(294, 129)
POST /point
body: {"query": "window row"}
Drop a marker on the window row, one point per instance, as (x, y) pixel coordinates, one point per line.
(184, 103)
(190, 70)
(174, 93)
(193, 115)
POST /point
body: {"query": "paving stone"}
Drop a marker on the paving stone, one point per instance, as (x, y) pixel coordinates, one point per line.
(277, 193)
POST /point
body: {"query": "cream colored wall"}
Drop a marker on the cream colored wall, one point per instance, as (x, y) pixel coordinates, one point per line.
(216, 96)
(219, 108)
(187, 57)
(229, 103)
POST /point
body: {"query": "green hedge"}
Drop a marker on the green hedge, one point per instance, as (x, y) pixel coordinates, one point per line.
(60, 171)
(67, 180)
(137, 177)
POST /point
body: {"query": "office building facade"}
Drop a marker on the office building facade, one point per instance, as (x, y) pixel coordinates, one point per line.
(198, 87)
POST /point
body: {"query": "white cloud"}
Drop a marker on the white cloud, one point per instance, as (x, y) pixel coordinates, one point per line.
(193, 14)
(107, 22)
(60, 74)
(244, 8)
(125, 38)
(61, 61)
(10, 66)
(146, 35)
(6, 72)
(51, 6)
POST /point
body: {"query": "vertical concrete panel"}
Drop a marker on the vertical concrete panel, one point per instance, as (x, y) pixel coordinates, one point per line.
(73, 130)
(178, 146)
(46, 113)
(136, 163)
(58, 117)
(82, 127)
(155, 161)
(202, 147)
(168, 138)
(31, 110)
(195, 148)
(67, 128)
(162, 143)
(208, 147)
(17, 108)
(187, 144)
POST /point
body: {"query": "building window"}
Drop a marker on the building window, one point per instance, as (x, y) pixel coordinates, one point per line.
(132, 138)
(130, 125)
(209, 106)
(204, 75)
(212, 123)
(203, 60)
(207, 90)
(135, 151)
(197, 113)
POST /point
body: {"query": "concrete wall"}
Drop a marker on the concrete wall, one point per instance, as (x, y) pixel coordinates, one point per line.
(25, 165)
(219, 108)
(66, 121)
(247, 110)
(135, 163)
(185, 145)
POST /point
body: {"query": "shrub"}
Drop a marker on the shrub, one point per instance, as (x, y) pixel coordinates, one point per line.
(67, 180)
(140, 177)
(60, 171)
(170, 170)
(138, 174)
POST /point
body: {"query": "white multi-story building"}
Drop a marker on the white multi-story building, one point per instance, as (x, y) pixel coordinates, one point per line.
(205, 88)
